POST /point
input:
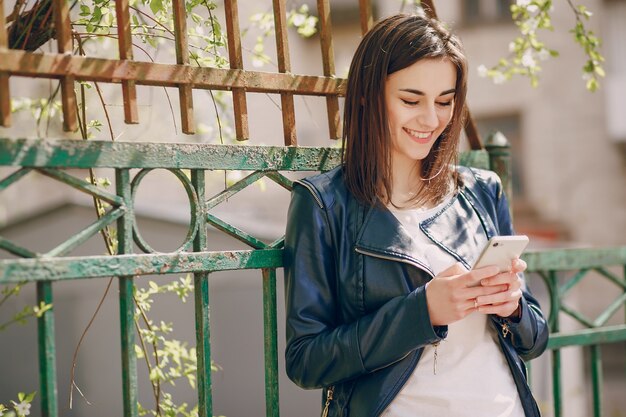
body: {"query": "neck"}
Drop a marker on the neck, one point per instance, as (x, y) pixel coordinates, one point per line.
(406, 181)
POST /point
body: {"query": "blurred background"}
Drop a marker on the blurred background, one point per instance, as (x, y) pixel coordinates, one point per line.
(569, 153)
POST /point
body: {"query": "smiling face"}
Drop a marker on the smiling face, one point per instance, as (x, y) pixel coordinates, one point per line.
(419, 100)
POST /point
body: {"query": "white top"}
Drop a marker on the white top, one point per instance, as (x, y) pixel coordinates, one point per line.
(472, 376)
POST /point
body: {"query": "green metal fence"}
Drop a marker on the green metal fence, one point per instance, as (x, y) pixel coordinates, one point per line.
(132, 161)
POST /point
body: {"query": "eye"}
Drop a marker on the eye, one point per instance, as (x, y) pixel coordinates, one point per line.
(445, 103)
(409, 102)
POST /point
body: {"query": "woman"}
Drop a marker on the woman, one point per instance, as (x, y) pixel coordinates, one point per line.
(383, 311)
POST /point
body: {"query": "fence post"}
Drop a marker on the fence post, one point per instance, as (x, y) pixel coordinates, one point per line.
(500, 161)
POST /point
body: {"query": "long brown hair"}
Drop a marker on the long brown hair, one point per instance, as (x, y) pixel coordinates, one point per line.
(391, 45)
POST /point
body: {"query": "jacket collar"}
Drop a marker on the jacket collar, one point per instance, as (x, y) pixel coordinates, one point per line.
(460, 228)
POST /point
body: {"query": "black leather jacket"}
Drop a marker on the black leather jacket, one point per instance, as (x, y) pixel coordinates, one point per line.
(357, 318)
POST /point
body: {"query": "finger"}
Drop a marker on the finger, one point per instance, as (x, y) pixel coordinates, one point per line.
(477, 291)
(502, 278)
(499, 298)
(455, 269)
(502, 310)
(475, 276)
(518, 265)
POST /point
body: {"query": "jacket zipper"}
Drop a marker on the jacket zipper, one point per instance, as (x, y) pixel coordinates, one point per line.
(505, 329)
(418, 266)
(329, 397)
(393, 258)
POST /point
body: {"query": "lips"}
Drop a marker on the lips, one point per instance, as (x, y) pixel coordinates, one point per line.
(419, 137)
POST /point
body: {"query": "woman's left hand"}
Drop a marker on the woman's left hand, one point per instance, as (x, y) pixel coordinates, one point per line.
(504, 303)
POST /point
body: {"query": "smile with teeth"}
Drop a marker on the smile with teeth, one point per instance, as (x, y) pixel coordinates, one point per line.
(416, 134)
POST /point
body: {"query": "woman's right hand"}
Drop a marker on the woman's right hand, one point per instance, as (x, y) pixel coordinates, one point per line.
(451, 295)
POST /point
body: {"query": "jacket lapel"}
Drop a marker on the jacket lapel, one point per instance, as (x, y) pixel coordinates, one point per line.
(384, 235)
(458, 229)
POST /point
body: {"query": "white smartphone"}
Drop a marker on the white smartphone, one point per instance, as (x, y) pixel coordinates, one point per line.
(501, 250)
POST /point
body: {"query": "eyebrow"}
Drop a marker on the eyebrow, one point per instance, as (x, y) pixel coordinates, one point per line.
(421, 93)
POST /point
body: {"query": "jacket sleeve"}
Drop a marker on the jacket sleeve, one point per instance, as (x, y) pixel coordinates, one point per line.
(529, 334)
(321, 351)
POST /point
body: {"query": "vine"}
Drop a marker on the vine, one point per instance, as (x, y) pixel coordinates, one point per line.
(527, 51)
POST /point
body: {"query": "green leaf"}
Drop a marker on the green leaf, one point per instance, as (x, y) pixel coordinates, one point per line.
(600, 71)
(156, 6)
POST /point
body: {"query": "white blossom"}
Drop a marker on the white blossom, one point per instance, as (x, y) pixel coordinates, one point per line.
(527, 59)
(587, 76)
(299, 19)
(23, 408)
(257, 62)
(543, 55)
(532, 9)
(512, 47)
(499, 78)
(482, 71)
(523, 3)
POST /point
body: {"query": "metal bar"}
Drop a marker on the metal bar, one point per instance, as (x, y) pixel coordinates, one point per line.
(280, 179)
(500, 161)
(235, 58)
(471, 131)
(86, 233)
(278, 243)
(13, 177)
(611, 309)
(124, 37)
(611, 277)
(238, 234)
(47, 65)
(476, 159)
(234, 189)
(596, 379)
(556, 383)
(5, 92)
(106, 154)
(366, 16)
(63, 30)
(564, 289)
(556, 353)
(182, 58)
(11, 247)
(429, 8)
(127, 305)
(569, 259)
(576, 315)
(270, 338)
(56, 269)
(83, 186)
(47, 353)
(284, 66)
(328, 64)
(201, 299)
(588, 337)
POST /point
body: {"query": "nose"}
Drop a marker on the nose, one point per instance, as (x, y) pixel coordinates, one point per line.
(427, 118)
